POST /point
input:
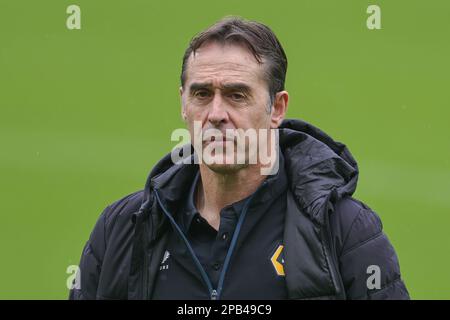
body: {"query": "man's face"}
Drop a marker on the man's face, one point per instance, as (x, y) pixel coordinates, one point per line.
(225, 89)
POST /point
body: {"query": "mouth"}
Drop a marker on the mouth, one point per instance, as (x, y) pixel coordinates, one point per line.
(218, 139)
(220, 142)
(224, 139)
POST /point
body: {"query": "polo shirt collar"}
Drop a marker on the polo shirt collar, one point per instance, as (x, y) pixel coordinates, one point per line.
(269, 190)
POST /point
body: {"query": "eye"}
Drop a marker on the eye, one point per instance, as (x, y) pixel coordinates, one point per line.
(201, 94)
(237, 96)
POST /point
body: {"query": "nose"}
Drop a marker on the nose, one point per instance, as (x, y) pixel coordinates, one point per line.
(217, 114)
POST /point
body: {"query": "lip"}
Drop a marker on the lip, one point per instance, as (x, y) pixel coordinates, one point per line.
(224, 139)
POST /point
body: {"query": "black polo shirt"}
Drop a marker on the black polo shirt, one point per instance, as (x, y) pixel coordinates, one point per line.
(255, 265)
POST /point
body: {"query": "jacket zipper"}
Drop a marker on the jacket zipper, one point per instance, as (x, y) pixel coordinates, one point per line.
(146, 271)
(337, 280)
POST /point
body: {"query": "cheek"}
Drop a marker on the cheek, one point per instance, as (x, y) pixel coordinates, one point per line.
(193, 112)
(260, 117)
(251, 120)
(193, 115)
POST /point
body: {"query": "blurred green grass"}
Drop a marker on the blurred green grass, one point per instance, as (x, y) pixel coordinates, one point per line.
(85, 114)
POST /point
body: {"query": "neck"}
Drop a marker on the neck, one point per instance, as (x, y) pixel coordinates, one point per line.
(217, 190)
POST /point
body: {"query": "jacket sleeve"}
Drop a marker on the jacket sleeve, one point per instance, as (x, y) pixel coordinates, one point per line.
(90, 263)
(368, 263)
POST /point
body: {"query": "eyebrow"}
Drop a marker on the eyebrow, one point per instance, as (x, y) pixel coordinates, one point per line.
(237, 86)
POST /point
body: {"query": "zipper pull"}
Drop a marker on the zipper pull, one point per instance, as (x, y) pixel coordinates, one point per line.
(214, 295)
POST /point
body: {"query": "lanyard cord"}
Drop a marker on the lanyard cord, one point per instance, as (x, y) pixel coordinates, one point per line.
(214, 294)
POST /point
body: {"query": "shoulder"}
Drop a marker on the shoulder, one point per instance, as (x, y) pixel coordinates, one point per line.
(94, 251)
(363, 248)
(353, 222)
(125, 207)
(118, 212)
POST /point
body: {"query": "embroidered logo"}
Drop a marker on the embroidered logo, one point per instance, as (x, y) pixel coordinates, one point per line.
(278, 260)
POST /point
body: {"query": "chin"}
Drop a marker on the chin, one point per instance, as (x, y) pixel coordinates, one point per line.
(226, 168)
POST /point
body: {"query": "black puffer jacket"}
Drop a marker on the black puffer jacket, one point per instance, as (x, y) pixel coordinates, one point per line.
(331, 240)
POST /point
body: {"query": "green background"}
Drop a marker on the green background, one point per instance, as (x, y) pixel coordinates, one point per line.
(85, 114)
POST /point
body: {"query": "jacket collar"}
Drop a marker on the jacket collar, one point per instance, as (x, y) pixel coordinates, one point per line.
(318, 168)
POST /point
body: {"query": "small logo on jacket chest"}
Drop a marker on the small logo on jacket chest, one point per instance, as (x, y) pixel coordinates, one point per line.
(164, 263)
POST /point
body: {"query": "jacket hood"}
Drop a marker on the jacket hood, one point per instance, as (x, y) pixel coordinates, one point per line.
(320, 170)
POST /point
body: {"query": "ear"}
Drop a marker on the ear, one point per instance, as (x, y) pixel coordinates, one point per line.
(183, 108)
(279, 109)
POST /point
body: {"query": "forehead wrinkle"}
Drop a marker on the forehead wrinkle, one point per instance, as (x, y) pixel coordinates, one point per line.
(223, 66)
(233, 60)
(223, 72)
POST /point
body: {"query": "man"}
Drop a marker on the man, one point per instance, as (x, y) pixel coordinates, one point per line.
(222, 229)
